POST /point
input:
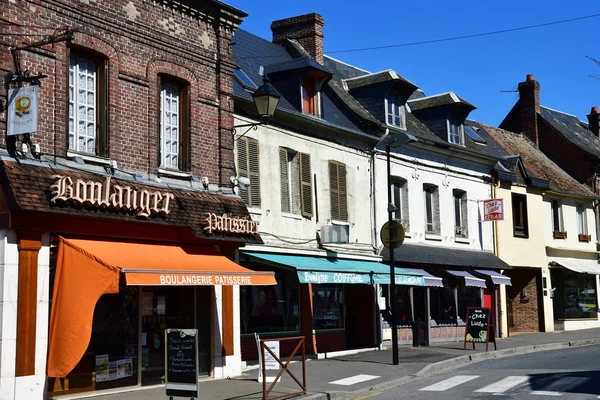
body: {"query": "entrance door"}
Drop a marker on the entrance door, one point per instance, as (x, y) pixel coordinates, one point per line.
(204, 307)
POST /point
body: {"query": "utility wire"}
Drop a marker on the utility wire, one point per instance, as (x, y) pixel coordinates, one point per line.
(466, 36)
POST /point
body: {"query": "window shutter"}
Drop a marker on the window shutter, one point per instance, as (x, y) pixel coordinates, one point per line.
(285, 180)
(342, 192)
(333, 189)
(254, 172)
(305, 186)
(242, 166)
(184, 129)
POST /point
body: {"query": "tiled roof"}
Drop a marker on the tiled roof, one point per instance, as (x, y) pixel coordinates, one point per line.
(572, 129)
(438, 100)
(26, 186)
(536, 163)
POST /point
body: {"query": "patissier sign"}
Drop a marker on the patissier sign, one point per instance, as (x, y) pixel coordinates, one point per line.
(105, 194)
(226, 223)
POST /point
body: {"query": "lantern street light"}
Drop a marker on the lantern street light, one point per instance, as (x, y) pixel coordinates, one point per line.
(266, 98)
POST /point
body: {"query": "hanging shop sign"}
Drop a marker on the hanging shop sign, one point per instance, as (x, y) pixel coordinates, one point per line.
(229, 224)
(493, 210)
(22, 114)
(105, 194)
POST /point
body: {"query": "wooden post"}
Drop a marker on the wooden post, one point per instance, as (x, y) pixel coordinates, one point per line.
(227, 293)
(29, 245)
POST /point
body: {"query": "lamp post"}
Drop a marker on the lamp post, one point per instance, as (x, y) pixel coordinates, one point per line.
(400, 139)
(266, 98)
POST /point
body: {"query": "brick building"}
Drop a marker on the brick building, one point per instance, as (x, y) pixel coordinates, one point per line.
(132, 157)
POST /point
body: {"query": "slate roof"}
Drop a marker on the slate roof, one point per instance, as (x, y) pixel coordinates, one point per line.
(537, 164)
(572, 129)
(438, 100)
(26, 187)
(375, 78)
(445, 256)
(296, 63)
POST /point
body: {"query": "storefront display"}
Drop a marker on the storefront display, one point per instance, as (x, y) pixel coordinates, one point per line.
(328, 306)
(575, 295)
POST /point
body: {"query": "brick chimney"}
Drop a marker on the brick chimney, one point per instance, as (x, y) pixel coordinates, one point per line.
(594, 122)
(529, 105)
(306, 29)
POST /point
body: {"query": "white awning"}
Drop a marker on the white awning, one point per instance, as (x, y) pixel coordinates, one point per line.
(496, 277)
(470, 280)
(583, 266)
(430, 280)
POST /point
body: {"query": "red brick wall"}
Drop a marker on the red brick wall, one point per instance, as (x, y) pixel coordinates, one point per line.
(526, 311)
(140, 39)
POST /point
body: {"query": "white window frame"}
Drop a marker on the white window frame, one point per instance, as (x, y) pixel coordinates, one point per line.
(458, 222)
(170, 94)
(83, 69)
(560, 215)
(398, 198)
(398, 111)
(455, 131)
(581, 218)
(428, 191)
(318, 107)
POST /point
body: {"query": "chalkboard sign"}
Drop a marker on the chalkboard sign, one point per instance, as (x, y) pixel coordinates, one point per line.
(181, 362)
(478, 329)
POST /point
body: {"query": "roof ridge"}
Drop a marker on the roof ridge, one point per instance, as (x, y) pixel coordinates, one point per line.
(562, 112)
(345, 63)
(433, 95)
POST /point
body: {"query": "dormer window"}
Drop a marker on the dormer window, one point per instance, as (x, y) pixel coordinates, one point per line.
(456, 132)
(310, 96)
(395, 111)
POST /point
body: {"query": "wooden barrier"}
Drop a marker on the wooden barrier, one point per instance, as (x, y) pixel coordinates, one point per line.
(284, 367)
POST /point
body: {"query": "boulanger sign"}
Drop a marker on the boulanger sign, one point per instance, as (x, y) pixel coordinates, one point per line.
(228, 224)
(105, 194)
(22, 114)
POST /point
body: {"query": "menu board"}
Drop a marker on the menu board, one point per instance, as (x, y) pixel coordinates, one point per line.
(181, 359)
(478, 328)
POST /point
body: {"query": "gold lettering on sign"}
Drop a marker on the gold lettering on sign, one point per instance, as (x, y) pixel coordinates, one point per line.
(225, 223)
(103, 194)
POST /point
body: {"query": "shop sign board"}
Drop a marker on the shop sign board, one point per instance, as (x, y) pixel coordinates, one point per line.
(105, 194)
(333, 277)
(229, 224)
(270, 361)
(22, 113)
(493, 210)
(478, 329)
(401, 279)
(181, 362)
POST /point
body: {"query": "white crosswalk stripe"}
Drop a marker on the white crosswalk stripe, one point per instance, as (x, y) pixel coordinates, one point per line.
(560, 386)
(504, 384)
(353, 380)
(449, 383)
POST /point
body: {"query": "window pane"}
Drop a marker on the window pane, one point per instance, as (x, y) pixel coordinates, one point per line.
(328, 306)
(429, 208)
(169, 120)
(457, 206)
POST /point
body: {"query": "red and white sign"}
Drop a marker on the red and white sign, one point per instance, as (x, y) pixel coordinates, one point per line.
(493, 210)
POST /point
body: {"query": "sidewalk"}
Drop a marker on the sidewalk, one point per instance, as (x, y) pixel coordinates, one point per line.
(373, 366)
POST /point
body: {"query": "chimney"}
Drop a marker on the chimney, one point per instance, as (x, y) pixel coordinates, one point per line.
(306, 29)
(594, 122)
(529, 105)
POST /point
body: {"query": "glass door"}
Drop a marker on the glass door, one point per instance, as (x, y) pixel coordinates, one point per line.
(204, 307)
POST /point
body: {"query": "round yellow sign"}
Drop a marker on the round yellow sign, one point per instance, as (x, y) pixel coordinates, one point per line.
(22, 104)
(397, 232)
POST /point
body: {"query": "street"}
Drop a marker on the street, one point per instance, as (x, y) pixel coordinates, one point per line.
(567, 374)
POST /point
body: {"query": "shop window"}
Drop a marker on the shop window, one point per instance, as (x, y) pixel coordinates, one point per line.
(174, 122)
(88, 93)
(400, 201)
(468, 296)
(519, 214)
(575, 295)
(328, 306)
(248, 167)
(271, 308)
(337, 188)
(443, 306)
(395, 111)
(558, 230)
(432, 209)
(461, 225)
(296, 182)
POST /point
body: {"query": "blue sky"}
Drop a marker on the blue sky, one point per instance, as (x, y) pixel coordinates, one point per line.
(477, 69)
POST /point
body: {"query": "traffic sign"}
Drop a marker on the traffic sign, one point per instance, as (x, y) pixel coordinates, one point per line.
(397, 232)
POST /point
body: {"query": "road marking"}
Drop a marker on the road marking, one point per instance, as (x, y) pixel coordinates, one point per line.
(546, 393)
(353, 380)
(450, 383)
(369, 395)
(503, 385)
(564, 384)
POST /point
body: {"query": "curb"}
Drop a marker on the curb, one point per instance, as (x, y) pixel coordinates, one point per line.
(452, 363)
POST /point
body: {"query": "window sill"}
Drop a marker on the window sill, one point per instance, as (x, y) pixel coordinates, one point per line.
(174, 174)
(336, 222)
(88, 157)
(521, 235)
(462, 240)
(255, 211)
(291, 216)
(430, 236)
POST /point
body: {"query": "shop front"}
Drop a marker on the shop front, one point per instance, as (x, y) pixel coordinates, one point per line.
(332, 302)
(119, 262)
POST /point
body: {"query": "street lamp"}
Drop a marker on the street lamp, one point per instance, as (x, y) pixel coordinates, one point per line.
(400, 139)
(266, 98)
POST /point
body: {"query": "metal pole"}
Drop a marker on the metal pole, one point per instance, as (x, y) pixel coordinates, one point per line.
(395, 360)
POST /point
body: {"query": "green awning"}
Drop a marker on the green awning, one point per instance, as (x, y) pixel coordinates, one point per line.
(336, 270)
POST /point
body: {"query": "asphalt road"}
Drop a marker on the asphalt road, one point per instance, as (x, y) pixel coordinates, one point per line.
(560, 374)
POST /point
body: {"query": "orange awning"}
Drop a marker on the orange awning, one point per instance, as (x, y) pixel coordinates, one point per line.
(87, 269)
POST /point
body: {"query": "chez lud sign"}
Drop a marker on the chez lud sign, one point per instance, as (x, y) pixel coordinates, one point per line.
(105, 194)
